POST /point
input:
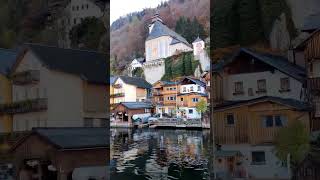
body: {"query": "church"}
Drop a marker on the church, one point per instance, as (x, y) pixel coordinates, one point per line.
(162, 42)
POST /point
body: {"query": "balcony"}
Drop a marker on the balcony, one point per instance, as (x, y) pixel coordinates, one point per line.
(313, 84)
(116, 95)
(34, 105)
(156, 93)
(117, 86)
(26, 77)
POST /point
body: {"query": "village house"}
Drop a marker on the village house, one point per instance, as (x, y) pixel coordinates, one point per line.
(7, 59)
(62, 153)
(191, 91)
(130, 89)
(123, 112)
(311, 57)
(254, 96)
(38, 99)
(136, 63)
(112, 80)
(161, 43)
(164, 96)
(74, 12)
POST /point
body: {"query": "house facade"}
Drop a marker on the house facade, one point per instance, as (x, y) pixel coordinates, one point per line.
(38, 99)
(254, 95)
(7, 59)
(130, 89)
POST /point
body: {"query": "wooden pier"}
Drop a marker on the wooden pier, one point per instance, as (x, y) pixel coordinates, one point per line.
(185, 124)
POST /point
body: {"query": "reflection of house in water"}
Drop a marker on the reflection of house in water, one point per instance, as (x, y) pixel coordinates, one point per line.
(60, 153)
(254, 96)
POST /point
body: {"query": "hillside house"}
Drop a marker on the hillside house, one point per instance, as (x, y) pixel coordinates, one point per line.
(130, 89)
(136, 63)
(38, 99)
(7, 59)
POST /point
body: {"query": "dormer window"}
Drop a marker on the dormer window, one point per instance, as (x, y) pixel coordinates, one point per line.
(199, 88)
(191, 89)
(262, 86)
(238, 88)
(284, 84)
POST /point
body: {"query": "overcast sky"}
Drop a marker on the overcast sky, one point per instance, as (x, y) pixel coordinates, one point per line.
(120, 8)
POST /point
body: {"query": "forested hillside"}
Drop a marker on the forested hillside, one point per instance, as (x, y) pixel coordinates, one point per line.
(248, 23)
(188, 17)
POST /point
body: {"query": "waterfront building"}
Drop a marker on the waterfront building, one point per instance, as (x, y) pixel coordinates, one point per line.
(38, 99)
(7, 59)
(130, 89)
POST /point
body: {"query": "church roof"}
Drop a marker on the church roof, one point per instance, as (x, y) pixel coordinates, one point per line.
(197, 40)
(159, 29)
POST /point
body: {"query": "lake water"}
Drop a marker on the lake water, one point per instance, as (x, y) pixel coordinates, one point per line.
(145, 154)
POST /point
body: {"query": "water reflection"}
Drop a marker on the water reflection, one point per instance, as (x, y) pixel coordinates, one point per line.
(159, 154)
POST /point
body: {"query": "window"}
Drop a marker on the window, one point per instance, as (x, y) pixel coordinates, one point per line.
(82, 7)
(191, 88)
(284, 84)
(181, 99)
(250, 92)
(184, 89)
(268, 121)
(77, 8)
(258, 157)
(168, 98)
(75, 21)
(195, 99)
(230, 119)
(88, 122)
(199, 88)
(238, 87)
(311, 67)
(190, 111)
(262, 85)
(87, 6)
(73, 8)
(280, 121)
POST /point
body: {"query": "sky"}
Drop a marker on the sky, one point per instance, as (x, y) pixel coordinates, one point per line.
(120, 8)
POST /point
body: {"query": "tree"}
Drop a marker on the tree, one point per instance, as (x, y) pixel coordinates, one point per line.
(138, 72)
(293, 140)
(202, 107)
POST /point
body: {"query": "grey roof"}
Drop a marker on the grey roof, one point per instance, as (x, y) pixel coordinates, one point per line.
(137, 105)
(136, 81)
(73, 138)
(195, 81)
(278, 62)
(89, 65)
(175, 41)
(113, 79)
(312, 22)
(197, 40)
(169, 83)
(159, 29)
(7, 60)
(298, 105)
(141, 59)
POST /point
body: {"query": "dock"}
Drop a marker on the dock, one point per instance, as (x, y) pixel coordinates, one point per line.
(174, 123)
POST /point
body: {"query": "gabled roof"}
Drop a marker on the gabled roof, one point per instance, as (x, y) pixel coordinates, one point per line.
(136, 81)
(278, 62)
(195, 81)
(71, 138)
(302, 44)
(90, 66)
(295, 104)
(311, 23)
(7, 60)
(136, 105)
(197, 40)
(159, 29)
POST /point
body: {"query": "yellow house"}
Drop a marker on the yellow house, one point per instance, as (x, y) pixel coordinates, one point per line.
(256, 121)
(7, 58)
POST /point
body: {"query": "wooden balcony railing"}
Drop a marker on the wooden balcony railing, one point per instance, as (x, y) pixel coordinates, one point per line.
(313, 83)
(117, 86)
(26, 106)
(26, 77)
(157, 93)
(117, 95)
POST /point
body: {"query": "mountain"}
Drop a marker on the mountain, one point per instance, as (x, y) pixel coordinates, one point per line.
(128, 34)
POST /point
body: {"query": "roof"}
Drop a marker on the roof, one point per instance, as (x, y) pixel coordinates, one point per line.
(136, 81)
(72, 138)
(197, 40)
(159, 29)
(137, 105)
(278, 62)
(89, 65)
(298, 105)
(141, 60)
(113, 79)
(302, 44)
(312, 22)
(7, 60)
(195, 81)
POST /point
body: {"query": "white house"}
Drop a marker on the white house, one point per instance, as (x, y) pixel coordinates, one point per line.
(74, 13)
(161, 43)
(249, 74)
(55, 87)
(136, 63)
(130, 89)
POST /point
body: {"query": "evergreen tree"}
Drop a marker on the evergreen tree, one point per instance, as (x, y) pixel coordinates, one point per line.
(188, 65)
